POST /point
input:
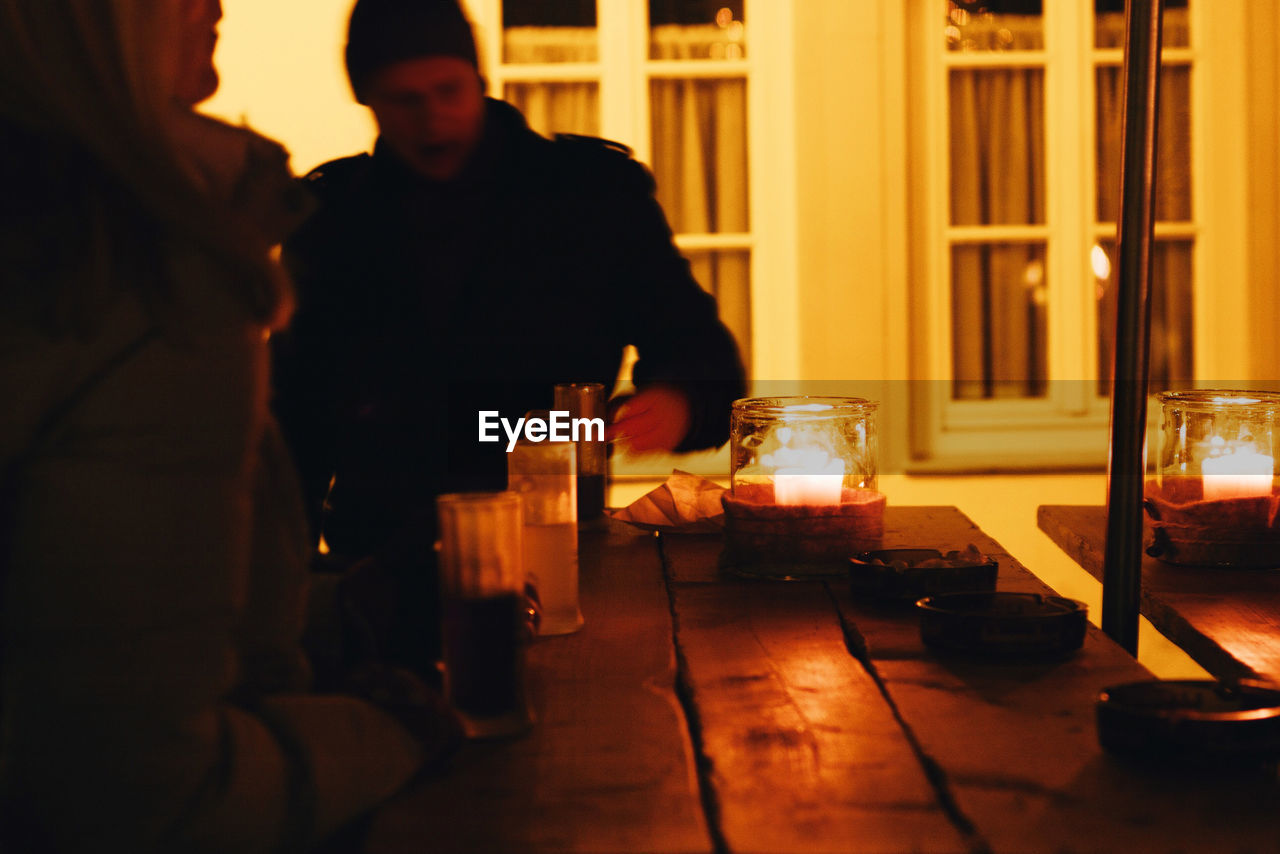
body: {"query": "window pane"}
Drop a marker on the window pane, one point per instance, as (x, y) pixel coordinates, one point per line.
(983, 25)
(1173, 144)
(1108, 24)
(557, 107)
(700, 153)
(536, 31)
(697, 29)
(726, 275)
(549, 13)
(997, 146)
(998, 331)
(1171, 342)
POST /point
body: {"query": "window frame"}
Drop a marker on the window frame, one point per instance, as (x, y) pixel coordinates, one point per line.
(1068, 427)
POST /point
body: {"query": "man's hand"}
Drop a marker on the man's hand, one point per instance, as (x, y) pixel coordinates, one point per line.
(655, 419)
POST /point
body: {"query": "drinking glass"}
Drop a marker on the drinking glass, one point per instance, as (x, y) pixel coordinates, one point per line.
(482, 594)
(543, 474)
(587, 400)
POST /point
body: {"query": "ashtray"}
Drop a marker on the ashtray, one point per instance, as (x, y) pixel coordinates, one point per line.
(1002, 625)
(908, 574)
(1192, 721)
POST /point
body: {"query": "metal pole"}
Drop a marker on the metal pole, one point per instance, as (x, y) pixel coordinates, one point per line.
(1122, 564)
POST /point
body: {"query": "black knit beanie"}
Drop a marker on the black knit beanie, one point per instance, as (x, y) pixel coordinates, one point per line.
(382, 32)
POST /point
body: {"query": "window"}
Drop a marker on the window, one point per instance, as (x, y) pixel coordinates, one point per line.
(681, 83)
(1016, 129)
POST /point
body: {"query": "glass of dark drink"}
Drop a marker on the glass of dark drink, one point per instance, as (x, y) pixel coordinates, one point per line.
(587, 401)
(482, 582)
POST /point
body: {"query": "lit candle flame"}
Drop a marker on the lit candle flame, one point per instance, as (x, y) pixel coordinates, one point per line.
(808, 476)
(1242, 473)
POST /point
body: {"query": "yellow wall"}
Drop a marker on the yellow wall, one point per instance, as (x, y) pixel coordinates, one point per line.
(282, 72)
(850, 189)
(1264, 189)
(851, 202)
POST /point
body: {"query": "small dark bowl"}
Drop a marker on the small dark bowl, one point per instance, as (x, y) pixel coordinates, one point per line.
(1003, 625)
(883, 581)
(1192, 722)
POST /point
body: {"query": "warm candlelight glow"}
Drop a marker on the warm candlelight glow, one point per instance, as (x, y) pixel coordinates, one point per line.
(1243, 473)
(806, 475)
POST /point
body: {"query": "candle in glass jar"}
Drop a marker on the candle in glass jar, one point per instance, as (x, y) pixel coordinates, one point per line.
(1242, 474)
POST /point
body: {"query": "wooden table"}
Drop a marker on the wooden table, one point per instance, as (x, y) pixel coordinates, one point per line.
(701, 713)
(1227, 620)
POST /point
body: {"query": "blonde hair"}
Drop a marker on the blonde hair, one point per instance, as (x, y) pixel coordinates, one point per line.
(92, 81)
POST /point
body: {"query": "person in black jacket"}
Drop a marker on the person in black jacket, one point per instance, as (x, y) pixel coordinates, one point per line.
(470, 264)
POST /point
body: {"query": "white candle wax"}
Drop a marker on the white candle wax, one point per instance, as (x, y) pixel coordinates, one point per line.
(1243, 474)
(809, 476)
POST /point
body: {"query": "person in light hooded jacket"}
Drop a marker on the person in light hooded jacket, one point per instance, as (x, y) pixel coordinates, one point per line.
(153, 552)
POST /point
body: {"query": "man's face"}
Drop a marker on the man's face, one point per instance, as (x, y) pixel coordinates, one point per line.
(430, 110)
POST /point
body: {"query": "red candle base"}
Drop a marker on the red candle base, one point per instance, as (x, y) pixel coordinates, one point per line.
(1185, 529)
(758, 531)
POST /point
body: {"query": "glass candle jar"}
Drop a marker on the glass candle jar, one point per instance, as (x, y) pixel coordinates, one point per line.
(804, 496)
(1218, 444)
(802, 450)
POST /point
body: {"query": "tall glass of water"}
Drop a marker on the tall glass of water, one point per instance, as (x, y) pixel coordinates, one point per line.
(543, 474)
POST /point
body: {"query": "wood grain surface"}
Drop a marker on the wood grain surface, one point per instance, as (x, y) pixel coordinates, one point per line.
(1227, 620)
(1015, 748)
(701, 712)
(802, 751)
(608, 766)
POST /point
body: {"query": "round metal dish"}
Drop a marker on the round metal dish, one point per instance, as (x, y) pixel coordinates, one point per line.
(1003, 625)
(884, 581)
(1190, 721)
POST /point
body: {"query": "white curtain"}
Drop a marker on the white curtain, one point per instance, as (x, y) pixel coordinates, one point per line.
(699, 139)
(999, 324)
(997, 178)
(1171, 275)
(554, 107)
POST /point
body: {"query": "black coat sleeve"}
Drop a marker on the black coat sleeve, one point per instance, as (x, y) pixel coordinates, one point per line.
(670, 319)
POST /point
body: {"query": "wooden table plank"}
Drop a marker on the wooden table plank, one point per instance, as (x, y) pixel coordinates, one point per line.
(1015, 745)
(608, 767)
(804, 753)
(1227, 620)
(1011, 749)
